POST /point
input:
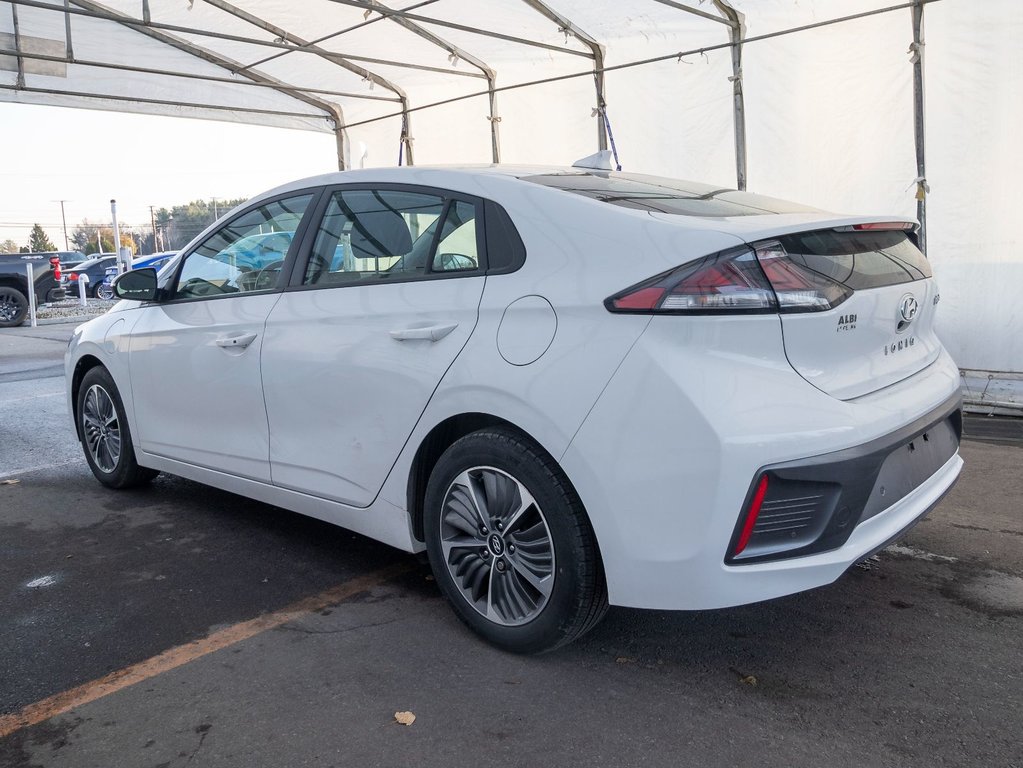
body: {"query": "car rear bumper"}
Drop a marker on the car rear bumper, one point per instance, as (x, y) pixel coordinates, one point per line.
(693, 428)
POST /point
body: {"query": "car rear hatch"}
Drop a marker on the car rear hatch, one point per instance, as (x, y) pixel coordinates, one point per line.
(877, 326)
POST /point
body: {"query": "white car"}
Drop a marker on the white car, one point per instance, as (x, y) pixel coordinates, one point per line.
(571, 387)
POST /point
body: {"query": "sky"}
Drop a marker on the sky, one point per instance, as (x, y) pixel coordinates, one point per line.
(87, 157)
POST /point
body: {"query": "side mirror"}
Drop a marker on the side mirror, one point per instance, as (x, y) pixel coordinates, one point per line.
(137, 285)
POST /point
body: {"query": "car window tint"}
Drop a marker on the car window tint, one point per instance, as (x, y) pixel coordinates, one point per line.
(375, 235)
(244, 255)
(457, 249)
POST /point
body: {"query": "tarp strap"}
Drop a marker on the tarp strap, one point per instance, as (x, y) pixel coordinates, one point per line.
(610, 137)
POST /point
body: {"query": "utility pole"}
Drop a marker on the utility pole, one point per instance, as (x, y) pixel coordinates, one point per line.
(216, 215)
(152, 219)
(63, 219)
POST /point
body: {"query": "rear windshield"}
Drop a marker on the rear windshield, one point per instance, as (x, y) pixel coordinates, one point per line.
(858, 260)
(660, 195)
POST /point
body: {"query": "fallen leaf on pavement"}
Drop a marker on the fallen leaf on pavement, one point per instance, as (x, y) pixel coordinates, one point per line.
(405, 718)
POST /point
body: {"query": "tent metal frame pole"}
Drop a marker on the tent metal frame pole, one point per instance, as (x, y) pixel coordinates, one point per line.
(459, 53)
(368, 6)
(333, 58)
(194, 76)
(695, 11)
(596, 53)
(17, 47)
(918, 122)
(68, 48)
(737, 32)
(332, 111)
(332, 35)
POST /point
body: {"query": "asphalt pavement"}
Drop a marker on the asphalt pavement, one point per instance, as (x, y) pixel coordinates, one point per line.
(177, 625)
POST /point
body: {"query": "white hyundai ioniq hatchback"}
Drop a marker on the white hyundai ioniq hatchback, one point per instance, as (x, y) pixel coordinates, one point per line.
(571, 387)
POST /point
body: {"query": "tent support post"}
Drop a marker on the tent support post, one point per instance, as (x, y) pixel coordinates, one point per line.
(596, 53)
(737, 31)
(406, 131)
(17, 46)
(495, 138)
(918, 121)
(456, 53)
(68, 48)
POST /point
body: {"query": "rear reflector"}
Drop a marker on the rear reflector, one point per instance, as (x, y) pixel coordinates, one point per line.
(751, 516)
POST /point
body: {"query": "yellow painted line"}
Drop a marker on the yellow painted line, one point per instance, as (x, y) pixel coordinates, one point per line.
(180, 655)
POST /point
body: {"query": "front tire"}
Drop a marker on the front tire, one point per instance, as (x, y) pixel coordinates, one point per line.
(510, 545)
(103, 429)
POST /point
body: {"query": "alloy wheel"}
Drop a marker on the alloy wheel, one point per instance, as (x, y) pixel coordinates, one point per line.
(101, 428)
(497, 546)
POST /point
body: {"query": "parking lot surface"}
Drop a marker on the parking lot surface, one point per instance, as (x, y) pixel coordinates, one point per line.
(179, 625)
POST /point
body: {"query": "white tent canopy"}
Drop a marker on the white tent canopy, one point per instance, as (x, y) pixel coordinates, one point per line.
(806, 109)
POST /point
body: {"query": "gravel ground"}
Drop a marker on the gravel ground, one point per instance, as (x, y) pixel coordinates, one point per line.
(71, 308)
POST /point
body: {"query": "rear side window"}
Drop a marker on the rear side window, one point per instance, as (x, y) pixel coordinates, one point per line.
(858, 260)
(392, 235)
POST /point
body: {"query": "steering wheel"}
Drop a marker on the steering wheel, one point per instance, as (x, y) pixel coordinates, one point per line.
(273, 267)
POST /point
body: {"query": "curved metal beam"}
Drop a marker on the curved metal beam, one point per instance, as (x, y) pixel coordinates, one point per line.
(333, 111)
(597, 51)
(460, 53)
(333, 58)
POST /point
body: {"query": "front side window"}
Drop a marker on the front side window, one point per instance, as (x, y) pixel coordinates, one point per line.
(391, 234)
(244, 255)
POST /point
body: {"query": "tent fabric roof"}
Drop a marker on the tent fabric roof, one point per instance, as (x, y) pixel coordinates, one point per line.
(325, 64)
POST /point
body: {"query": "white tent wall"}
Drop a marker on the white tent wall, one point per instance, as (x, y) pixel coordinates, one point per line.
(829, 116)
(829, 111)
(974, 66)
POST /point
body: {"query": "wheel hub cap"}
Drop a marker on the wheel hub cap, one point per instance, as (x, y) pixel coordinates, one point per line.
(496, 544)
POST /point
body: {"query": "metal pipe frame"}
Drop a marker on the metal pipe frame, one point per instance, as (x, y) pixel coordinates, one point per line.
(918, 122)
(331, 57)
(596, 53)
(369, 6)
(695, 11)
(332, 111)
(194, 76)
(17, 47)
(455, 51)
(340, 32)
(737, 31)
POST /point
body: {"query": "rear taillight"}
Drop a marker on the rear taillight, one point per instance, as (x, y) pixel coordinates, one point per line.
(731, 281)
(72, 276)
(55, 266)
(797, 286)
(738, 281)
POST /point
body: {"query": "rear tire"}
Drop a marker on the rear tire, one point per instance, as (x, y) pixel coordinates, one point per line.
(510, 544)
(104, 291)
(103, 430)
(13, 307)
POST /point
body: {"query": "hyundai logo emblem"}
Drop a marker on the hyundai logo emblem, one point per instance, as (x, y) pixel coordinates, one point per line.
(908, 308)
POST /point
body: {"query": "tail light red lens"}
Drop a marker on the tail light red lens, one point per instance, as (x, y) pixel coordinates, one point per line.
(798, 287)
(738, 281)
(55, 266)
(727, 282)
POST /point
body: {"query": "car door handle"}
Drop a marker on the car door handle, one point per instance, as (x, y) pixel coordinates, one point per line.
(429, 333)
(236, 342)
